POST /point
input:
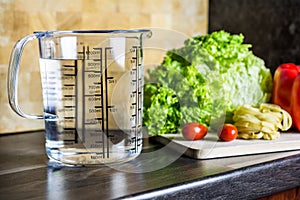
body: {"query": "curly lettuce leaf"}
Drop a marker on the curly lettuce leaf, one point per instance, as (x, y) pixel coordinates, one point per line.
(204, 81)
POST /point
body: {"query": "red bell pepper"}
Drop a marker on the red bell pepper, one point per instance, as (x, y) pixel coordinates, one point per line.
(286, 90)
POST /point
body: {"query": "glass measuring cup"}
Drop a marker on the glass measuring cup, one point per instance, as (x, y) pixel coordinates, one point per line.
(92, 85)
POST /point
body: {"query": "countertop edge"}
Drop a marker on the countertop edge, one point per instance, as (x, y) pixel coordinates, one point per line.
(255, 181)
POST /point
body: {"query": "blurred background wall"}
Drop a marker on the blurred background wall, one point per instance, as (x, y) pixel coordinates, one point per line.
(271, 26)
(21, 17)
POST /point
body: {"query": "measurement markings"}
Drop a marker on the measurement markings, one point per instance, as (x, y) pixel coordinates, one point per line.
(101, 95)
(83, 99)
(69, 129)
(70, 106)
(92, 95)
(106, 78)
(136, 97)
(94, 71)
(69, 95)
(69, 117)
(87, 52)
(69, 65)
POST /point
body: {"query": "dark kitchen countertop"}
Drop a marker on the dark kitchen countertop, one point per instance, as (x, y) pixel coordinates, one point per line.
(25, 173)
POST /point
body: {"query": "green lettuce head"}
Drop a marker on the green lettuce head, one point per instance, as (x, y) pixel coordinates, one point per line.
(204, 82)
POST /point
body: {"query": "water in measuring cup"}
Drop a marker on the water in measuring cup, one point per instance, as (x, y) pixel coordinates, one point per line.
(92, 115)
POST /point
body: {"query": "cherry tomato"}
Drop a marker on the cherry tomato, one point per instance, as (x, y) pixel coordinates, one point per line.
(194, 131)
(227, 132)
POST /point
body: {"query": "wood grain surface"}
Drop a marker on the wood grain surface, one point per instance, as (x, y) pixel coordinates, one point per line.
(25, 173)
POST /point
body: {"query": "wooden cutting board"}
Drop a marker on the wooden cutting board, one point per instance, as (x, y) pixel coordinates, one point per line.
(211, 147)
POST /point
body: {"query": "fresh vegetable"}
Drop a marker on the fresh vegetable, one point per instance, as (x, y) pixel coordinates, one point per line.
(194, 131)
(261, 122)
(286, 90)
(295, 102)
(204, 82)
(227, 132)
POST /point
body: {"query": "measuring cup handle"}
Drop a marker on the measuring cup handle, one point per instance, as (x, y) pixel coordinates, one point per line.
(12, 80)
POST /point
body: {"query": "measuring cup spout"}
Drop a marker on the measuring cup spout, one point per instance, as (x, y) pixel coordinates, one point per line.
(148, 34)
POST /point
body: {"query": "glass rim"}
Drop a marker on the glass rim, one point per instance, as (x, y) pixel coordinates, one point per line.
(108, 31)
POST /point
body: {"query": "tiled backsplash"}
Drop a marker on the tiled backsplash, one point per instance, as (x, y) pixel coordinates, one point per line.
(21, 17)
